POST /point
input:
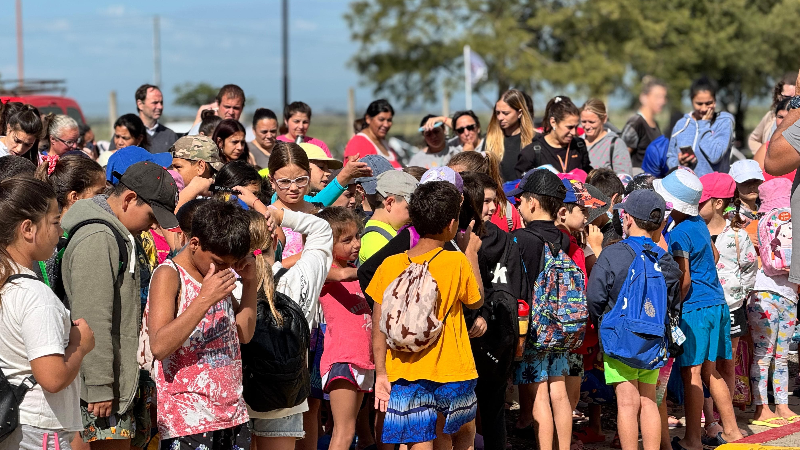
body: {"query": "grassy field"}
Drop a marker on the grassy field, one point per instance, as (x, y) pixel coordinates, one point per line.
(334, 130)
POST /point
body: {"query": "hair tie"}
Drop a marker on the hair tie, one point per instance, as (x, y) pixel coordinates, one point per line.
(51, 161)
(558, 99)
(257, 252)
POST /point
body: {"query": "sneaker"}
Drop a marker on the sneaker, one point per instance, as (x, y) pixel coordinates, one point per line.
(793, 348)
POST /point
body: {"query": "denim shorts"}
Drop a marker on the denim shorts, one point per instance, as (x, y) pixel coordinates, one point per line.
(290, 426)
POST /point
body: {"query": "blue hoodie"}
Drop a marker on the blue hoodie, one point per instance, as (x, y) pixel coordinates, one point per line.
(711, 142)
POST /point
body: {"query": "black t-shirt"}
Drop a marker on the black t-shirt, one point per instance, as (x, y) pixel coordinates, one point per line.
(637, 134)
(511, 146)
(539, 152)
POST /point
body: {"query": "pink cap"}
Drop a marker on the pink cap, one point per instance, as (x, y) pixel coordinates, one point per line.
(775, 193)
(717, 185)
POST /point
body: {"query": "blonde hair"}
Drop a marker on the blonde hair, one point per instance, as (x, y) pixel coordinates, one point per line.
(495, 136)
(261, 241)
(597, 107)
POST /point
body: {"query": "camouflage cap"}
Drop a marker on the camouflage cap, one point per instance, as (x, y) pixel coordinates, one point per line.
(197, 148)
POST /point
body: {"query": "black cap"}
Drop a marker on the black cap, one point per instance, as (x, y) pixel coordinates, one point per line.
(153, 184)
(641, 203)
(594, 213)
(543, 182)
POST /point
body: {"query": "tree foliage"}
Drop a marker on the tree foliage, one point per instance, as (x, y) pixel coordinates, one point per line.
(195, 95)
(408, 47)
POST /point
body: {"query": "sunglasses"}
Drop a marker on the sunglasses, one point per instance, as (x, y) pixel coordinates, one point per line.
(466, 128)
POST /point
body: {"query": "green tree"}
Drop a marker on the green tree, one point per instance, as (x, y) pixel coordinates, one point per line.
(195, 95)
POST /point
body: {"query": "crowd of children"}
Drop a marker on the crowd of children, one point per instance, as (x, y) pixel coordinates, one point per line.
(198, 300)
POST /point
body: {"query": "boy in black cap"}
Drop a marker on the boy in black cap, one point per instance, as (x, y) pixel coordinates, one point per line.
(541, 375)
(102, 282)
(635, 388)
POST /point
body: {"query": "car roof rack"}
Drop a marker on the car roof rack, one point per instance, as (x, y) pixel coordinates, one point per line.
(32, 86)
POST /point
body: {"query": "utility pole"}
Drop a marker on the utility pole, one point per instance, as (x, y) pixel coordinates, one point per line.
(156, 51)
(285, 22)
(20, 56)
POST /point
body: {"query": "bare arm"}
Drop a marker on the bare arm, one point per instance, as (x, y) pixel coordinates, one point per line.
(382, 386)
(686, 277)
(472, 257)
(55, 372)
(246, 311)
(781, 157)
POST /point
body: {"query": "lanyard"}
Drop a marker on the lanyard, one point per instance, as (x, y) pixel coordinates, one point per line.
(564, 161)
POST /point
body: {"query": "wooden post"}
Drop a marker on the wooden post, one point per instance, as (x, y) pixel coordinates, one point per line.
(351, 110)
(112, 110)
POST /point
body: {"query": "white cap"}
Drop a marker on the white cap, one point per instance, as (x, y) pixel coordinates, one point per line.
(746, 169)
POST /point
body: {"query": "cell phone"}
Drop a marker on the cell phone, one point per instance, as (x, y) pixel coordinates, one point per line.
(687, 150)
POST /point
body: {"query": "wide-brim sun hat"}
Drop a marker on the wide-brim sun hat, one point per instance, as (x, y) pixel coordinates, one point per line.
(682, 189)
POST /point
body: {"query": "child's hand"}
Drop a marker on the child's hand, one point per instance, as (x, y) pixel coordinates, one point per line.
(245, 195)
(468, 240)
(383, 390)
(246, 268)
(81, 336)
(478, 328)
(200, 186)
(595, 239)
(353, 168)
(216, 286)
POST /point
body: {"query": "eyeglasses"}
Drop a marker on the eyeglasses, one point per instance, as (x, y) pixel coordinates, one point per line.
(466, 128)
(67, 143)
(286, 183)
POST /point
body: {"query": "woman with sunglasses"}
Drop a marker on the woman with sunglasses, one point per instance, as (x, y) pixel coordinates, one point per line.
(702, 139)
(467, 128)
(436, 152)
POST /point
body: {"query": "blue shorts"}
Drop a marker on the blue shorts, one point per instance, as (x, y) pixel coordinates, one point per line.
(411, 414)
(537, 367)
(708, 335)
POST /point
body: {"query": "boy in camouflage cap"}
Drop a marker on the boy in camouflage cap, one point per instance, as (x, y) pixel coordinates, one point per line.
(195, 156)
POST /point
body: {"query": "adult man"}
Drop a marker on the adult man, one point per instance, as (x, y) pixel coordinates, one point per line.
(228, 104)
(150, 106)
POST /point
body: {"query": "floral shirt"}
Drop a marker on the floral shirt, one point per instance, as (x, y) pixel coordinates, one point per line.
(736, 269)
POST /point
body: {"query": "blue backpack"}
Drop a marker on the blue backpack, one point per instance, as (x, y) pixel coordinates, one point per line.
(635, 331)
(655, 157)
(558, 314)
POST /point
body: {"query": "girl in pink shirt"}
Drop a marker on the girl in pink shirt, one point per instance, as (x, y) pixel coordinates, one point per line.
(347, 367)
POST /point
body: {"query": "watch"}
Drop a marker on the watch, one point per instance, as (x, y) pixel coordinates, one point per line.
(794, 103)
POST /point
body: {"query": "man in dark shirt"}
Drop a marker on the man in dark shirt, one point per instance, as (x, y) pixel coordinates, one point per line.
(637, 135)
(150, 106)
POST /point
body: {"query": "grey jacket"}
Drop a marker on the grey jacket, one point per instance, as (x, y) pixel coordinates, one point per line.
(110, 303)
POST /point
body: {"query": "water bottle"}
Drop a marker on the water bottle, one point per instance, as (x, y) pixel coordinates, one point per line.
(523, 316)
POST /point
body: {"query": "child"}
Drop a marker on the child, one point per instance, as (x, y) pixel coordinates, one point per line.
(195, 330)
(706, 318)
(441, 378)
(108, 296)
(390, 211)
(635, 388)
(39, 339)
(73, 177)
(748, 177)
(737, 264)
(541, 375)
(772, 308)
(347, 366)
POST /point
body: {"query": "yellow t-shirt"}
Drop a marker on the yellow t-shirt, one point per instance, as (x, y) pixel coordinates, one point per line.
(450, 357)
(374, 241)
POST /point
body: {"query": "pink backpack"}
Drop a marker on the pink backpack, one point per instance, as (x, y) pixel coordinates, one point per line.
(775, 241)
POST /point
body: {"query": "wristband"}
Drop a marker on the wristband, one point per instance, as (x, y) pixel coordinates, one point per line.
(794, 103)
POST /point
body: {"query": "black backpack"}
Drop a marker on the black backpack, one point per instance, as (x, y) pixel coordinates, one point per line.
(53, 277)
(11, 396)
(274, 363)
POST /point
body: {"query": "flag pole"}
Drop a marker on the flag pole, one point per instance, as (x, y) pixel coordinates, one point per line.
(467, 77)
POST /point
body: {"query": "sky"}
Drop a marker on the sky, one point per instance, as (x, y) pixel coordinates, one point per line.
(100, 46)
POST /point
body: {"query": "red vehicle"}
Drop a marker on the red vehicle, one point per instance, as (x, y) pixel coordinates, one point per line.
(55, 104)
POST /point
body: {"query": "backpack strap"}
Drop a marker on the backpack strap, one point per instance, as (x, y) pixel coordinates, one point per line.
(379, 230)
(430, 260)
(18, 276)
(509, 216)
(121, 240)
(279, 274)
(611, 155)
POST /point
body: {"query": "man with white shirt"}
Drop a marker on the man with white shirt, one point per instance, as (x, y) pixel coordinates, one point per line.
(150, 106)
(228, 104)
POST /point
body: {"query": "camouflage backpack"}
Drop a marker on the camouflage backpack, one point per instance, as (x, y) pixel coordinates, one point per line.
(408, 311)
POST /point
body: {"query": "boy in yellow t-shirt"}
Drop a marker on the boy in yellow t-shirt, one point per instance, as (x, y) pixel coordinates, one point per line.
(414, 388)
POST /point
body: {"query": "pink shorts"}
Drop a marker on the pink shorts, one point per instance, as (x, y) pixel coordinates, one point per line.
(362, 379)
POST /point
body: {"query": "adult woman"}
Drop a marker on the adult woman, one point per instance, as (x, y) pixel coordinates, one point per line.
(606, 149)
(702, 139)
(63, 134)
(265, 128)
(371, 140)
(510, 129)
(642, 128)
(781, 111)
(558, 145)
(229, 137)
(436, 152)
(297, 119)
(784, 89)
(505, 216)
(130, 130)
(468, 131)
(22, 127)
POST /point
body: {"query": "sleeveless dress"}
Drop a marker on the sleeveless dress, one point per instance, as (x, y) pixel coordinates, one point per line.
(200, 385)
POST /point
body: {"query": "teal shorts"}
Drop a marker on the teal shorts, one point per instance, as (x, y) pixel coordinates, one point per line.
(708, 335)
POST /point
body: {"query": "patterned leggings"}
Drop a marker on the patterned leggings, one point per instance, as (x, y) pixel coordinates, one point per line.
(772, 321)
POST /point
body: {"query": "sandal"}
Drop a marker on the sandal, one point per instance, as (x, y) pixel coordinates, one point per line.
(673, 422)
(615, 442)
(675, 445)
(589, 436)
(768, 422)
(792, 419)
(713, 442)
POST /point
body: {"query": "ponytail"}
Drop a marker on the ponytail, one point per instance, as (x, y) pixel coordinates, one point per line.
(261, 240)
(71, 173)
(559, 108)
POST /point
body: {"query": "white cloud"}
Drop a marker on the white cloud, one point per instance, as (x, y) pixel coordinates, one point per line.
(113, 11)
(305, 25)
